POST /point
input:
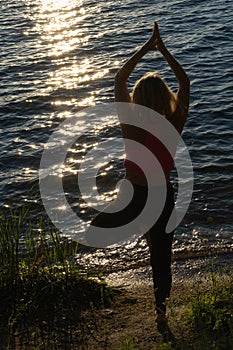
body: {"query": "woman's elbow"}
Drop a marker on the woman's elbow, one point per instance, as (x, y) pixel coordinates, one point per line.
(118, 77)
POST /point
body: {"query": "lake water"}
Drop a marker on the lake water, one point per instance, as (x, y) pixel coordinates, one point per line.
(58, 57)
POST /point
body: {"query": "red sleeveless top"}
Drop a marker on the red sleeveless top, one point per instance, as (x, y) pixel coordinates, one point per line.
(158, 149)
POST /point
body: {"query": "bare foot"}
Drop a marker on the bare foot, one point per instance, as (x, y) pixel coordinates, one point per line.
(163, 328)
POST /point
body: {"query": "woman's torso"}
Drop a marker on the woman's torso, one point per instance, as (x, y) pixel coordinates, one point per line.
(165, 161)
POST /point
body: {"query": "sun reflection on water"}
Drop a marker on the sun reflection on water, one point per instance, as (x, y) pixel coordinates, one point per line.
(51, 5)
(57, 21)
(66, 44)
(63, 30)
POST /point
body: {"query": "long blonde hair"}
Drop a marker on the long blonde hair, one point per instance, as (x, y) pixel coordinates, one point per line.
(151, 91)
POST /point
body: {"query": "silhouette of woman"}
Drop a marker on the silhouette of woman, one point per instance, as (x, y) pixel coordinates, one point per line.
(151, 91)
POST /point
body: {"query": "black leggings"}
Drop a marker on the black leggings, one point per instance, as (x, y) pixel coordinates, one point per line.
(160, 259)
(160, 241)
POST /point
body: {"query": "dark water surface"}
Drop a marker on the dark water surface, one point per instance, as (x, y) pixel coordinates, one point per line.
(58, 57)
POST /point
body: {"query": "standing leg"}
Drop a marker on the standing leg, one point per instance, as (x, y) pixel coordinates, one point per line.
(161, 245)
(160, 254)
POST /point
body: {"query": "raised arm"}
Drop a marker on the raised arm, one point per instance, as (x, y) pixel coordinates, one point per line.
(179, 117)
(121, 89)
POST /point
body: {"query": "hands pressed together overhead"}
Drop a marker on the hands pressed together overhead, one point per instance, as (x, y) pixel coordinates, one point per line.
(155, 41)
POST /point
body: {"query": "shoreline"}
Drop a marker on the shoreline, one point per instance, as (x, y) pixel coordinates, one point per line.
(184, 270)
(132, 320)
(115, 310)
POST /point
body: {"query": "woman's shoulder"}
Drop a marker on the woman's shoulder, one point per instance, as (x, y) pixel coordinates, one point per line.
(178, 117)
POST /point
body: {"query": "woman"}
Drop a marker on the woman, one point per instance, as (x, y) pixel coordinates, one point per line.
(151, 91)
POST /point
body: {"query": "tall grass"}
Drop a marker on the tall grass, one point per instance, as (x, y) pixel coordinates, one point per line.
(211, 311)
(42, 243)
(40, 283)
